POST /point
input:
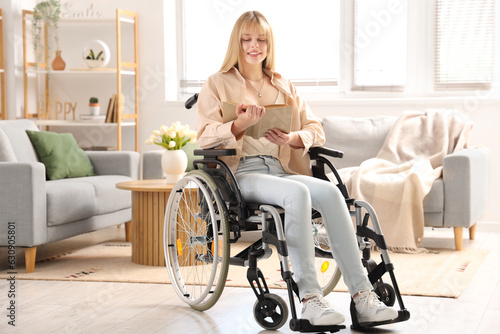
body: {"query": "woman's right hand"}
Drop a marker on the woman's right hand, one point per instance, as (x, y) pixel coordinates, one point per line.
(246, 117)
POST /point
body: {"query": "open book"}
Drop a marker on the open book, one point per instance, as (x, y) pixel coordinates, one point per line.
(276, 116)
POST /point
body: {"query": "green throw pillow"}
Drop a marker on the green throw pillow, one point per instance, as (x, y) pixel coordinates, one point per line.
(189, 148)
(60, 154)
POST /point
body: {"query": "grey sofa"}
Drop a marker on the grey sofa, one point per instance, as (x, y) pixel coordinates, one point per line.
(457, 200)
(40, 211)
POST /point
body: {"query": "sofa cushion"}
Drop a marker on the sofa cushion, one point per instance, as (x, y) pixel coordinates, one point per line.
(359, 138)
(74, 199)
(15, 130)
(434, 205)
(6, 151)
(60, 154)
(108, 197)
(434, 200)
(69, 201)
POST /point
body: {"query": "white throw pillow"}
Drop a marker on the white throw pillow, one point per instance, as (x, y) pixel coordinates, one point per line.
(360, 138)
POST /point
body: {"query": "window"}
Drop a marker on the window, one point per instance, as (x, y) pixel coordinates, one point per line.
(464, 44)
(380, 39)
(348, 47)
(306, 34)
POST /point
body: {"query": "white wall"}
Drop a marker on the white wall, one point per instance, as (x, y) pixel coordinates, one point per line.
(158, 104)
(13, 38)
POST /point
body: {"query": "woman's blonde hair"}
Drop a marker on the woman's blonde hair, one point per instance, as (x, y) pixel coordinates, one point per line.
(249, 20)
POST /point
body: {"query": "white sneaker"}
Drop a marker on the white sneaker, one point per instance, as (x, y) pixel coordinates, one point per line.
(319, 312)
(371, 309)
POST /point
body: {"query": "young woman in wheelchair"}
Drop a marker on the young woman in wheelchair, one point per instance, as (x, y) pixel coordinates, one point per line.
(276, 169)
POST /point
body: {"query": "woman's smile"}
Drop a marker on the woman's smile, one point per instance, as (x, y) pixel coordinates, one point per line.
(254, 54)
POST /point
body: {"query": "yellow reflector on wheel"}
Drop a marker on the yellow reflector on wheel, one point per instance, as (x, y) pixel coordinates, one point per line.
(325, 266)
(179, 247)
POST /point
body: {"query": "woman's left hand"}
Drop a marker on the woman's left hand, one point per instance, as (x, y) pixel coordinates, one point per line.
(277, 137)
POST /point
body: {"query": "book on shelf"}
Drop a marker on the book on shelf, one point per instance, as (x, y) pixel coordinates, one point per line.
(276, 116)
(109, 112)
(115, 108)
(93, 118)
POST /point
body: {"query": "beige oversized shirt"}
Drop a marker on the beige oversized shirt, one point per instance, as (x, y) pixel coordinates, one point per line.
(230, 86)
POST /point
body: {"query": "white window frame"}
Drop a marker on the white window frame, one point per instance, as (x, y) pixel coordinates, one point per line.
(420, 58)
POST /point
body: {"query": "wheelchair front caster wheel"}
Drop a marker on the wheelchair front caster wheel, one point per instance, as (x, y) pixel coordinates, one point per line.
(387, 294)
(270, 313)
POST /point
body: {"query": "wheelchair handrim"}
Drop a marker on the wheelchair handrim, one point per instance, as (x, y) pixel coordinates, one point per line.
(174, 269)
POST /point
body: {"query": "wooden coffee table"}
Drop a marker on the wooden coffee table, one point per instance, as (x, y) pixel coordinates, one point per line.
(149, 199)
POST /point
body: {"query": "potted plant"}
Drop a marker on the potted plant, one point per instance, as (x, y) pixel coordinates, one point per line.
(95, 53)
(94, 106)
(94, 60)
(47, 12)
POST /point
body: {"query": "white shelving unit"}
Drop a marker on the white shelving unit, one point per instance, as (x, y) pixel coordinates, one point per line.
(74, 77)
(60, 122)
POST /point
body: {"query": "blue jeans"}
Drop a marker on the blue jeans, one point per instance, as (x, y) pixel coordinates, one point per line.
(262, 179)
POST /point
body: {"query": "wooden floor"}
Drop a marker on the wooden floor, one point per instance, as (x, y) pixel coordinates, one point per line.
(78, 307)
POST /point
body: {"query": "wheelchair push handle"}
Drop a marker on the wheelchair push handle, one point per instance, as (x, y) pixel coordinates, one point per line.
(191, 101)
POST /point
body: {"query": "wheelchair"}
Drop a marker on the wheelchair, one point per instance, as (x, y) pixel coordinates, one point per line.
(206, 213)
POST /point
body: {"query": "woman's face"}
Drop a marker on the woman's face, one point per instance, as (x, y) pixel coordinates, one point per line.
(254, 46)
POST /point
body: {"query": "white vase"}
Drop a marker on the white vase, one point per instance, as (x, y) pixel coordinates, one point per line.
(95, 109)
(174, 164)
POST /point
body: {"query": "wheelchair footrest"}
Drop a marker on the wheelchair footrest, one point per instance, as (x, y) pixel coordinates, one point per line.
(403, 315)
(304, 326)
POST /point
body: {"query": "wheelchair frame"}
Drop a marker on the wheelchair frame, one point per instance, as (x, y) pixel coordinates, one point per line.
(229, 213)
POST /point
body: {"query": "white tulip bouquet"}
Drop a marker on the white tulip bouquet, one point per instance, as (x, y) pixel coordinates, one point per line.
(174, 137)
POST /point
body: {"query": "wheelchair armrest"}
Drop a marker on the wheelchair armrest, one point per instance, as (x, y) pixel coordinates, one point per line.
(215, 152)
(317, 155)
(315, 151)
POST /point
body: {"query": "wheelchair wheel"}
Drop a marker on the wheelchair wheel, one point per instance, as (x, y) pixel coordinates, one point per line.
(196, 240)
(327, 270)
(386, 294)
(270, 313)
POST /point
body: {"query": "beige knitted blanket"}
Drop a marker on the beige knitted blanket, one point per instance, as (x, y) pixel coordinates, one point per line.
(396, 181)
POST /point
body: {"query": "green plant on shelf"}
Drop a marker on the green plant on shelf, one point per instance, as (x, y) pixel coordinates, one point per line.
(92, 56)
(45, 12)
